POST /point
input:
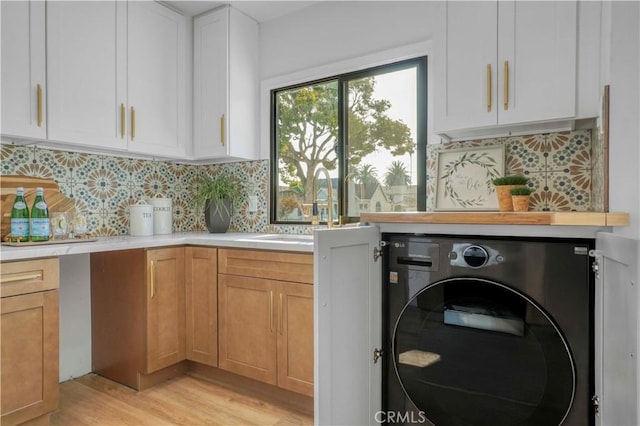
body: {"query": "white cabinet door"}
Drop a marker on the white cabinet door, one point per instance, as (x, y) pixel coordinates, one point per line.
(156, 79)
(225, 85)
(464, 58)
(23, 69)
(503, 63)
(537, 55)
(210, 83)
(348, 326)
(86, 60)
(616, 329)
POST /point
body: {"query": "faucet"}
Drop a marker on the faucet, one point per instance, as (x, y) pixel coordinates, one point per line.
(329, 196)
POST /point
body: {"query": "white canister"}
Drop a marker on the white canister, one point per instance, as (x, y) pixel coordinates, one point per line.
(141, 219)
(162, 215)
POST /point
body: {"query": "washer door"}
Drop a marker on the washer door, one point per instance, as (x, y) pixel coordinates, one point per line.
(469, 351)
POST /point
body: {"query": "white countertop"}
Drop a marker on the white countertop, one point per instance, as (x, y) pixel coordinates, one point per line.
(235, 239)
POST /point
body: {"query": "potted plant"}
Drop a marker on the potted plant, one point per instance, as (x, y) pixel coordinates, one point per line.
(520, 197)
(504, 185)
(217, 195)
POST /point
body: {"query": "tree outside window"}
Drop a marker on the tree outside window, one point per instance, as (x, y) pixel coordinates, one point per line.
(365, 128)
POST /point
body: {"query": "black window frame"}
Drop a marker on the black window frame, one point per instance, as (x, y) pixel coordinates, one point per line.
(420, 63)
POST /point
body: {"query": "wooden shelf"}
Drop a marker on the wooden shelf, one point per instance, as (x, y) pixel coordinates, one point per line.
(502, 218)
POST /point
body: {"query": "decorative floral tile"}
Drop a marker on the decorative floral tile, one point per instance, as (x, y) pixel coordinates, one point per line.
(564, 148)
(563, 184)
(531, 158)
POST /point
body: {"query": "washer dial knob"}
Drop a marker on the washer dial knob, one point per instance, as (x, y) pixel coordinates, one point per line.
(475, 256)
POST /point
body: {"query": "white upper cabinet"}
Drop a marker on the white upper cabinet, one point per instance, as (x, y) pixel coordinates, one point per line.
(116, 75)
(503, 63)
(225, 84)
(156, 70)
(86, 46)
(23, 69)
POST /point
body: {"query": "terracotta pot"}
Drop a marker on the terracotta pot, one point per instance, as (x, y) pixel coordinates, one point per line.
(504, 197)
(520, 203)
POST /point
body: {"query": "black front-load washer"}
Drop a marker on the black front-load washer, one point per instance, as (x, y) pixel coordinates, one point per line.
(487, 331)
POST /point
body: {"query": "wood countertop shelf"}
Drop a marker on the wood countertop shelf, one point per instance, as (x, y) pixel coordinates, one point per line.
(502, 218)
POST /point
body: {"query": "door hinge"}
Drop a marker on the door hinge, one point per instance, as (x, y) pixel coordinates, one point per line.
(377, 354)
(595, 400)
(377, 251)
(595, 267)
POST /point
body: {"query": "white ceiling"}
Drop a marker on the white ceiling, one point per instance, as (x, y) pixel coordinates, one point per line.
(261, 11)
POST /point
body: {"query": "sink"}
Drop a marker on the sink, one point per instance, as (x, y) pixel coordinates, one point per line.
(284, 238)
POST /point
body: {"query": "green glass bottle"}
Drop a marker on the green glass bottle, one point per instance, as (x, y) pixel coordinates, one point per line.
(40, 226)
(19, 218)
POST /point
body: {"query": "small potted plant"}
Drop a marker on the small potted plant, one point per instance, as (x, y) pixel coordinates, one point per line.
(217, 195)
(504, 185)
(520, 197)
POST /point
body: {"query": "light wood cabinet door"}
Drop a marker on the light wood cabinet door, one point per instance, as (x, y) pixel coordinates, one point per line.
(86, 61)
(247, 327)
(23, 69)
(156, 78)
(295, 337)
(29, 363)
(201, 281)
(165, 308)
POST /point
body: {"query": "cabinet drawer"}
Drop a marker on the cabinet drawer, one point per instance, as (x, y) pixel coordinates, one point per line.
(273, 265)
(29, 276)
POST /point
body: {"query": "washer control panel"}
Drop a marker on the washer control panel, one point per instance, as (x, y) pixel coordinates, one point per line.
(471, 255)
(475, 256)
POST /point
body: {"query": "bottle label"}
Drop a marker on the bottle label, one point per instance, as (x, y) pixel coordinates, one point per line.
(40, 227)
(41, 205)
(19, 227)
(20, 205)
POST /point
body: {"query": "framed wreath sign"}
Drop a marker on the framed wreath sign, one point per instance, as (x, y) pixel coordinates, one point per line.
(464, 178)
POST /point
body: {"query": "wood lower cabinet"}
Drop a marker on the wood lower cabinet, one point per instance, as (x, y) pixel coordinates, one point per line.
(201, 282)
(247, 327)
(137, 313)
(165, 308)
(29, 324)
(266, 325)
(295, 337)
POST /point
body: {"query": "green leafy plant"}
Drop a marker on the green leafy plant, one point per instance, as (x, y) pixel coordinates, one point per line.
(216, 189)
(510, 180)
(523, 190)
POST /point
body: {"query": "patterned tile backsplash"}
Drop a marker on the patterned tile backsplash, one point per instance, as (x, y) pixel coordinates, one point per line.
(559, 166)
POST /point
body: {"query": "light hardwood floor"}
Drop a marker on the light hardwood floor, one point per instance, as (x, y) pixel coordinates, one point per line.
(184, 400)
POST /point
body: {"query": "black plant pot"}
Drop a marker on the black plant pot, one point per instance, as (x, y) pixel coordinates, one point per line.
(218, 219)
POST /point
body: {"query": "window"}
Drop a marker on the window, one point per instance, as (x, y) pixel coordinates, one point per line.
(368, 129)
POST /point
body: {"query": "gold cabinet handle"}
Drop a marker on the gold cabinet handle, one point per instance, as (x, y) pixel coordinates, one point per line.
(153, 278)
(123, 118)
(506, 84)
(281, 315)
(488, 87)
(39, 96)
(270, 310)
(133, 123)
(222, 130)
(21, 277)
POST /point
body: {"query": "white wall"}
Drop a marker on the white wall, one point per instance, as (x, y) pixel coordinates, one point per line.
(335, 31)
(623, 62)
(75, 316)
